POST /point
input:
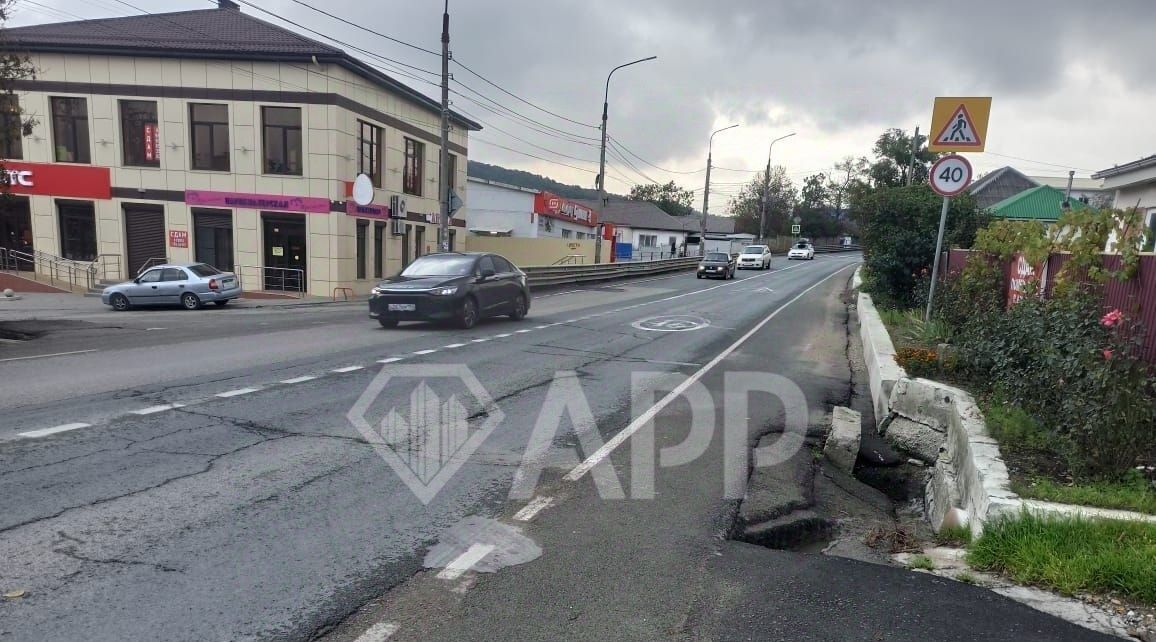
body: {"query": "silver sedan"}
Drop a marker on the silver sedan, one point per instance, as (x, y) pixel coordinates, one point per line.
(189, 285)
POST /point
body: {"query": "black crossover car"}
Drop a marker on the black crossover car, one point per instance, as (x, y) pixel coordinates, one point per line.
(717, 264)
(455, 286)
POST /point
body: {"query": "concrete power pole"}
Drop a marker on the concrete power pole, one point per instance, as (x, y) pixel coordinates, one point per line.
(767, 188)
(914, 151)
(706, 191)
(445, 181)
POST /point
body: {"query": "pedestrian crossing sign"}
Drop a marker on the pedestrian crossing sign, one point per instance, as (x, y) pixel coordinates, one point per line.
(959, 124)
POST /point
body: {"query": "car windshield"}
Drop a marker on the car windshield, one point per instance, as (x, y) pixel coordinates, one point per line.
(755, 249)
(202, 269)
(717, 256)
(434, 265)
(800, 246)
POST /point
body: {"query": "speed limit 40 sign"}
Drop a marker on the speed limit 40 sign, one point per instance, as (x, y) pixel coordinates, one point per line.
(950, 175)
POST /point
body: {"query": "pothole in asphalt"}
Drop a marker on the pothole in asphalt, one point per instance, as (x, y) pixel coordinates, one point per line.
(505, 545)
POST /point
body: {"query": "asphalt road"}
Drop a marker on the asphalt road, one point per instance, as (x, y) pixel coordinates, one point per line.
(205, 480)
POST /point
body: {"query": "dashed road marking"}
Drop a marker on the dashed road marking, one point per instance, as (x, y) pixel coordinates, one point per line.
(453, 346)
(379, 632)
(236, 393)
(425, 351)
(464, 562)
(391, 360)
(542, 327)
(347, 369)
(502, 336)
(523, 331)
(152, 410)
(44, 432)
(45, 356)
(299, 379)
(529, 511)
(480, 340)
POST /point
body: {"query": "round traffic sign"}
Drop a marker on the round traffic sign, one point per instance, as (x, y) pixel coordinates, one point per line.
(950, 175)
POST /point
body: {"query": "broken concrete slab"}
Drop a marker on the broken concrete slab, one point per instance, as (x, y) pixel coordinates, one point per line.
(913, 437)
(774, 491)
(789, 531)
(842, 446)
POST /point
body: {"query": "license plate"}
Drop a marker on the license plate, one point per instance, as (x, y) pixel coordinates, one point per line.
(229, 283)
(402, 307)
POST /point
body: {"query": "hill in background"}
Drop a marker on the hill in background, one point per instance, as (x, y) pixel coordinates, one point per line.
(520, 178)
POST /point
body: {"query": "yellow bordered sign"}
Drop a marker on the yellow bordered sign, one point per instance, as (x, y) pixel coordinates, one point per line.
(959, 124)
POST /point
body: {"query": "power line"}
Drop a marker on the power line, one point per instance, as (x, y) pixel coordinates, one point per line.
(519, 98)
(517, 138)
(510, 149)
(668, 171)
(1029, 160)
(506, 114)
(518, 114)
(366, 29)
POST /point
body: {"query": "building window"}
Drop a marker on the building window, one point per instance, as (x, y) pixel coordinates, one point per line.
(370, 144)
(210, 136)
(414, 159)
(138, 127)
(362, 226)
(648, 240)
(70, 130)
(282, 140)
(11, 128)
(567, 234)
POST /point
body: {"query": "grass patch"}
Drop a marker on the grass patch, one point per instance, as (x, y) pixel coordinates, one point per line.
(967, 578)
(908, 329)
(1072, 555)
(1135, 494)
(921, 562)
(1014, 428)
(956, 536)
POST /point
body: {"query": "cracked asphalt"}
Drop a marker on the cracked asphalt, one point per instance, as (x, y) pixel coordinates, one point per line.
(162, 510)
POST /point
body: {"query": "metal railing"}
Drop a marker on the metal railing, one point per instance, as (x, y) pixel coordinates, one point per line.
(559, 274)
(288, 280)
(158, 260)
(56, 269)
(108, 268)
(571, 259)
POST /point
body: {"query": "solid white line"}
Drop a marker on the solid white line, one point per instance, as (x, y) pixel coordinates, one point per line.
(237, 393)
(379, 632)
(391, 360)
(636, 425)
(44, 432)
(537, 505)
(347, 369)
(425, 351)
(300, 379)
(152, 410)
(453, 345)
(465, 561)
(45, 356)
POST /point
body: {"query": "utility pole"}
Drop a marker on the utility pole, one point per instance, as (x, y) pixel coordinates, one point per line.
(1068, 194)
(767, 188)
(602, 159)
(914, 151)
(445, 181)
(706, 191)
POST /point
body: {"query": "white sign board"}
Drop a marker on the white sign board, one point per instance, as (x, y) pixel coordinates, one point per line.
(362, 190)
(796, 229)
(950, 175)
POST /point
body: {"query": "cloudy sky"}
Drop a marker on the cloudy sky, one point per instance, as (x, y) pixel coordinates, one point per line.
(1072, 82)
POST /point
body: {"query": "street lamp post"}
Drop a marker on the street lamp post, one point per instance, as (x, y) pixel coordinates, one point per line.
(706, 190)
(602, 159)
(767, 188)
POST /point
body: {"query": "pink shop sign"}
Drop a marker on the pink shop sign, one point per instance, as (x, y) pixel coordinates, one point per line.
(272, 202)
(368, 211)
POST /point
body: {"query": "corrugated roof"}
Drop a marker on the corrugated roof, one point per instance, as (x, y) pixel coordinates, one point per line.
(221, 33)
(1041, 203)
(1061, 183)
(998, 185)
(1143, 163)
(639, 214)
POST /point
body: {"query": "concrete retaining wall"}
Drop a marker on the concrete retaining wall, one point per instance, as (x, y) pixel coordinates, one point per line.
(879, 353)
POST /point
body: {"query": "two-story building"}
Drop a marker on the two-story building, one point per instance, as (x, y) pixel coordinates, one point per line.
(213, 136)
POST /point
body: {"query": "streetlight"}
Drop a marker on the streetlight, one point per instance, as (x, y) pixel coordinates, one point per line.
(706, 190)
(767, 187)
(602, 159)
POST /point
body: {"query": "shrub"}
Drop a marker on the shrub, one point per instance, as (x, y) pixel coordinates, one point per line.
(918, 362)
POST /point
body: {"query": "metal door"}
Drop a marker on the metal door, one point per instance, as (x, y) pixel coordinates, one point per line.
(144, 234)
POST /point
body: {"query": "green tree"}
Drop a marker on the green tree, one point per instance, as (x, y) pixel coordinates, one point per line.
(747, 205)
(850, 174)
(893, 159)
(670, 198)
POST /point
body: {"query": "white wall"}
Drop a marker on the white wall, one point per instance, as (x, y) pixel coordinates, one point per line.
(495, 207)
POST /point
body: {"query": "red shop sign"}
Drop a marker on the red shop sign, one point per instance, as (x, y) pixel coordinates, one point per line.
(150, 143)
(178, 238)
(51, 179)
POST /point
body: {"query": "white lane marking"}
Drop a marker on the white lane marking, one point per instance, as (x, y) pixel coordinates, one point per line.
(152, 410)
(347, 369)
(300, 379)
(391, 360)
(537, 505)
(542, 327)
(523, 331)
(425, 351)
(453, 345)
(379, 632)
(573, 320)
(480, 340)
(152, 329)
(45, 356)
(237, 393)
(501, 336)
(44, 432)
(465, 561)
(634, 426)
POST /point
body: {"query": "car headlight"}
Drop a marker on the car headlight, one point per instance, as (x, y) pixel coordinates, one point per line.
(377, 291)
(447, 291)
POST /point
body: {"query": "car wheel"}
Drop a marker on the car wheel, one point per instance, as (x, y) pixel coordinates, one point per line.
(468, 317)
(221, 304)
(119, 302)
(699, 276)
(388, 323)
(519, 312)
(190, 301)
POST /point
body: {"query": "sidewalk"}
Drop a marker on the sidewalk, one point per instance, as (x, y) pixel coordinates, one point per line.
(35, 305)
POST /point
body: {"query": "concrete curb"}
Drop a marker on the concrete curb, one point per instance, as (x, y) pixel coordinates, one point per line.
(879, 353)
(842, 446)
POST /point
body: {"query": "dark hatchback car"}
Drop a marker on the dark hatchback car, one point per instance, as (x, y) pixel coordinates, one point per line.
(717, 264)
(460, 287)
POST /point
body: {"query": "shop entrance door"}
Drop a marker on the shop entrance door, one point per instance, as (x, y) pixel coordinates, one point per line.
(285, 253)
(16, 235)
(144, 234)
(77, 230)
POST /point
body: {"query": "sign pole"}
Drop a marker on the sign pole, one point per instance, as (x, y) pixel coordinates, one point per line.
(935, 264)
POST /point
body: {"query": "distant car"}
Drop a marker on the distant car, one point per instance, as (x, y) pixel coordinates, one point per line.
(463, 287)
(189, 285)
(716, 264)
(755, 256)
(804, 251)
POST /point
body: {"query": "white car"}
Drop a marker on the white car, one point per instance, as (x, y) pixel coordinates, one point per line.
(757, 257)
(803, 251)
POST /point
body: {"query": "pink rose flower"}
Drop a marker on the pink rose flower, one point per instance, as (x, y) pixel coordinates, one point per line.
(1112, 318)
